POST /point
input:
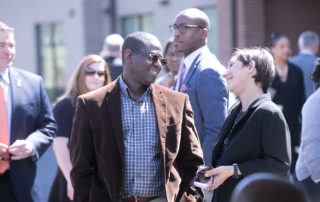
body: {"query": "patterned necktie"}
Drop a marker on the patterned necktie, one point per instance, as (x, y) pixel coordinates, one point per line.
(181, 76)
(4, 132)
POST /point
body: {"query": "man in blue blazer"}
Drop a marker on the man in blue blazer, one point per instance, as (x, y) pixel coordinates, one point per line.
(27, 125)
(200, 75)
(308, 43)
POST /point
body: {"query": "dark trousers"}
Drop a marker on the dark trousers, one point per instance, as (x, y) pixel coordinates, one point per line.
(6, 190)
(311, 189)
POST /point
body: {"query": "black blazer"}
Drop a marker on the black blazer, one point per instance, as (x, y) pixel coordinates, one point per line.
(258, 142)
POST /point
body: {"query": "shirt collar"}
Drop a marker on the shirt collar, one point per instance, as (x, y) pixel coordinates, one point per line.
(125, 89)
(5, 75)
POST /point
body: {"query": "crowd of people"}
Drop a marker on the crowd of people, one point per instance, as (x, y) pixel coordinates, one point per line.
(124, 132)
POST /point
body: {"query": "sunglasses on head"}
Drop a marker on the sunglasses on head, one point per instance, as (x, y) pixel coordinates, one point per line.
(91, 72)
(153, 56)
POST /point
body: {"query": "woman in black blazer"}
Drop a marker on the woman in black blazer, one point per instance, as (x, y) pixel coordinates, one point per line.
(255, 136)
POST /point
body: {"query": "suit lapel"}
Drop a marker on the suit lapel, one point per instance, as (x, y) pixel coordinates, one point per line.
(160, 107)
(16, 84)
(113, 103)
(192, 69)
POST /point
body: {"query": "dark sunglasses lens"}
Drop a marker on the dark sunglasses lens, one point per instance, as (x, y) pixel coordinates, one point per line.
(100, 74)
(89, 71)
(164, 61)
(155, 59)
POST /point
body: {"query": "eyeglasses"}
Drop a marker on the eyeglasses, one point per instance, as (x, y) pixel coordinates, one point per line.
(183, 27)
(91, 72)
(154, 57)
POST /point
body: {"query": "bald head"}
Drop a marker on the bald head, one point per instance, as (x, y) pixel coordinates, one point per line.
(139, 41)
(199, 17)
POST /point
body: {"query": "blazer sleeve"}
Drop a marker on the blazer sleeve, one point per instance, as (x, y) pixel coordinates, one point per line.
(275, 146)
(42, 137)
(212, 96)
(81, 152)
(190, 154)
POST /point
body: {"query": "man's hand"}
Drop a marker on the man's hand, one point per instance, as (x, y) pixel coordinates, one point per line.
(20, 149)
(3, 148)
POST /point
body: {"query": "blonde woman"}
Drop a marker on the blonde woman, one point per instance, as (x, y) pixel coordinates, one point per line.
(91, 74)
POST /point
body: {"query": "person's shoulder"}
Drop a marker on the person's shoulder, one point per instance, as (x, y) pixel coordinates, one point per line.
(63, 103)
(210, 61)
(294, 67)
(268, 108)
(24, 74)
(313, 100)
(295, 58)
(168, 93)
(100, 93)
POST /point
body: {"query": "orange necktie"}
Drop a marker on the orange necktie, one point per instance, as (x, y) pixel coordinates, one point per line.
(4, 132)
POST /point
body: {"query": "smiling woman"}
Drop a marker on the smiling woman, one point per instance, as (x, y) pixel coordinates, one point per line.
(91, 74)
(254, 137)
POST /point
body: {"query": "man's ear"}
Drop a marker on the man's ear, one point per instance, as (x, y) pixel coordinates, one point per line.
(128, 56)
(204, 33)
(252, 67)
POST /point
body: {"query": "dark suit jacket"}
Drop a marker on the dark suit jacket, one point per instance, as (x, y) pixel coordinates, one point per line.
(97, 147)
(259, 142)
(32, 119)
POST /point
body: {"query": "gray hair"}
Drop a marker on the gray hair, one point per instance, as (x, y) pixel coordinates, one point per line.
(5, 28)
(113, 43)
(308, 38)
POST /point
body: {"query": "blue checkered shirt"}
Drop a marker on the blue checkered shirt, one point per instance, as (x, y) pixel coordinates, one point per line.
(143, 176)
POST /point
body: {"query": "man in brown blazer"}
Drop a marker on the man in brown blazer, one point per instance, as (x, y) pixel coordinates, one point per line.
(133, 140)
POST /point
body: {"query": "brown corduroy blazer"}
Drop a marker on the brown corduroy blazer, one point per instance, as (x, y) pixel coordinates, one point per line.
(97, 146)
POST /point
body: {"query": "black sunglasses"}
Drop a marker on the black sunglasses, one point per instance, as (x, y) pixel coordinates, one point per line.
(183, 27)
(153, 56)
(91, 72)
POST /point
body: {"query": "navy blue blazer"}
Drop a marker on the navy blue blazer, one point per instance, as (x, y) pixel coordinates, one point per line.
(31, 119)
(208, 95)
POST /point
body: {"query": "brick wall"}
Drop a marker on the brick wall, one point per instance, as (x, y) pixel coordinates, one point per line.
(291, 18)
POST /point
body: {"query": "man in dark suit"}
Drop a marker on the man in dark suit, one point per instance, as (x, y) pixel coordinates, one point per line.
(27, 125)
(200, 76)
(308, 43)
(133, 140)
(111, 53)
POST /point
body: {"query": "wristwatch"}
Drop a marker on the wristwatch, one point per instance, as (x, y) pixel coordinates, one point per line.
(235, 169)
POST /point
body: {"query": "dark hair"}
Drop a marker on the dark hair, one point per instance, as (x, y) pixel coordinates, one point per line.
(138, 41)
(76, 85)
(266, 187)
(264, 64)
(275, 37)
(315, 76)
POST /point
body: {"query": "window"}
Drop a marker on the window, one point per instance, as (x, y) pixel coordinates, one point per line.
(137, 23)
(213, 33)
(51, 57)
